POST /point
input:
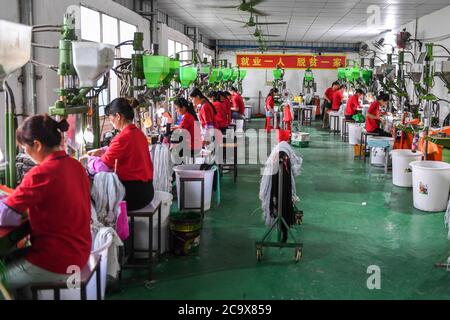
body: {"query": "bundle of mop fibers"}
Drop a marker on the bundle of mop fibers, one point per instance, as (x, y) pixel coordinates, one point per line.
(359, 118)
(23, 164)
(288, 212)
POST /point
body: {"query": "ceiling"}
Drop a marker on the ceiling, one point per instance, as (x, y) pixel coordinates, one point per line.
(308, 20)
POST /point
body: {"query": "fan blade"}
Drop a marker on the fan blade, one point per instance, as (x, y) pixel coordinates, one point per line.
(258, 12)
(220, 7)
(270, 35)
(233, 20)
(255, 2)
(269, 23)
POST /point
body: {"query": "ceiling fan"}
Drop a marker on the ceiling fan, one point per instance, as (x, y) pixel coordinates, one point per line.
(247, 6)
(253, 22)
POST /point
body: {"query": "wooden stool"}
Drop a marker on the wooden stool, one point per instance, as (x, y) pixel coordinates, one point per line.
(345, 123)
(128, 261)
(306, 116)
(335, 119)
(93, 266)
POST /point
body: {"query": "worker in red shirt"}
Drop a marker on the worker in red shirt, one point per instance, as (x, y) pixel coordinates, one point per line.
(190, 124)
(328, 101)
(206, 110)
(128, 155)
(56, 196)
(353, 104)
(221, 108)
(270, 106)
(338, 98)
(373, 114)
(226, 98)
(238, 107)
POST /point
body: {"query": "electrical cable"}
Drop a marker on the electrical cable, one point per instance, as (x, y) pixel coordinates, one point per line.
(37, 63)
(46, 26)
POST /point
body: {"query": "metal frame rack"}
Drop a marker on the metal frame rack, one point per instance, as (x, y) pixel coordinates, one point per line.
(278, 224)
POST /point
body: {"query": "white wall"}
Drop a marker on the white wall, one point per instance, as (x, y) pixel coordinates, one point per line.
(433, 25)
(255, 80)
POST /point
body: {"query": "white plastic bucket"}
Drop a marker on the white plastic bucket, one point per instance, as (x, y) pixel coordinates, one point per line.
(354, 133)
(341, 124)
(192, 190)
(401, 171)
(431, 185)
(141, 226)
(378, 155)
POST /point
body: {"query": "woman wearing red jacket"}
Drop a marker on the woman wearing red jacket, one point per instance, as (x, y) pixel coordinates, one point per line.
(189, 123)
(56, 194)
(353, 104)
(221, 108)
(270, 105)
(206, 110)
(128, 155)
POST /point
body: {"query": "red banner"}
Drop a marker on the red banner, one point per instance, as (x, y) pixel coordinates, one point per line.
(288, 61)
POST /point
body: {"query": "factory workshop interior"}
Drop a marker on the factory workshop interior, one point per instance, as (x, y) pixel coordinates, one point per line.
(224, 150)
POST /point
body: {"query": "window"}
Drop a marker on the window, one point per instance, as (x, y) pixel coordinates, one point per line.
(110, 32)
(90, 25)
(99, 27)
(171, 48)
(185, 54)
(207, 57)
(126, 33)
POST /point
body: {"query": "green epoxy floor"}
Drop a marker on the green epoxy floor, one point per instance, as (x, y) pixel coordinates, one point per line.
(341, 237)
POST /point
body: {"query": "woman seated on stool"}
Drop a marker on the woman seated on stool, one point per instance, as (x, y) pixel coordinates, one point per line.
(373, 115)
(56, 194)
(128, 155)
(189, 123)
(221, 108)
(353, 104)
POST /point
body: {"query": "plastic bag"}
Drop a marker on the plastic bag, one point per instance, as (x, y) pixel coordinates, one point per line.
(122, 227)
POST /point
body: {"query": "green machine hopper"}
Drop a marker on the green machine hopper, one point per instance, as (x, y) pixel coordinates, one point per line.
(187, 76)
(227, 74)
(235, 75)
(277, 74)
(242, 74)
(156, 69)
(342, 73)
(216, 76)
(174, 72)
(367, 75)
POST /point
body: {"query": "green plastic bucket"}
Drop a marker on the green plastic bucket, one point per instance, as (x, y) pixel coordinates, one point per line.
(174, 67)
(185, 230)
(156, 69)
(277, 73)
(187, 76)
